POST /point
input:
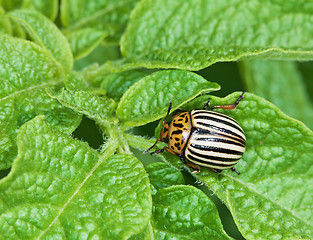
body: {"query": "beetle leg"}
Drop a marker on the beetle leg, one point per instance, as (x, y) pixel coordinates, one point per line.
(207, 104)
(234, 170)
(196, 168)
(216, 170)
(162, 150)
(230, 106)
(158, 151)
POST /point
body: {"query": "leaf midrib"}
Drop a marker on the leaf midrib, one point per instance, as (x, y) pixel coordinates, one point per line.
(110, 146)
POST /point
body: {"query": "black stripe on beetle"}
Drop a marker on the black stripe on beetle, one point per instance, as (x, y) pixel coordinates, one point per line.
(219, 120)
(205, 132)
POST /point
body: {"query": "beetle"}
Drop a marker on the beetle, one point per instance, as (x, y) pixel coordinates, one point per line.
(204, 138)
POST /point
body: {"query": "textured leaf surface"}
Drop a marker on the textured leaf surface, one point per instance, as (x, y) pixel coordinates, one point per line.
(60, 188)
(281, 84)
(194, 34)
(110, 16)
(148, 99)
(46, 34)
(95, 107)
(116, 84)
(47, 8)
(83, 41)
(184, 212)
(161, 176)
(273, 196)
(25, 70)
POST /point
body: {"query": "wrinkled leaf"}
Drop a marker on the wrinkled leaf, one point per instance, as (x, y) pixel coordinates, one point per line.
(110, 16)
(26, 70)
(76, 81)
(186, 212)
(161, 176)
(194, 34)
(95, 107)
(116, 84)
(281, 84)
(60, 188)
(46, 34)
(148, 99)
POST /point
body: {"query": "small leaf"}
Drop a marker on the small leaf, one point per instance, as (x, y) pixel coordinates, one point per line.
(26, 70)
(83, 41)
(59, 188)
(116, 84)
(100, 109)
(76, 81)
(47, 8)
(276, 172)
(194, 34)
(46, 34)
(161, 176)
(266, 78)
(148, 99)
(110, 16)
(186, 212)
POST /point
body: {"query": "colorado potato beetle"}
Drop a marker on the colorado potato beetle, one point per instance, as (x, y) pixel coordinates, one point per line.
(204, 138)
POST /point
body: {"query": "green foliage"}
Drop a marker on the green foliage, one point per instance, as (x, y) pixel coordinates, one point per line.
(161, 175)
(155, 93)
(59, 187)
(195, 34)
(265, 77)
(53, 195)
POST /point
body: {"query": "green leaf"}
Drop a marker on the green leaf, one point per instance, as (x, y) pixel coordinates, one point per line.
(47, 8)
(194, 34)
(83, 41)
(266, 78)
(26, 70)
(305, 69)
(148, 99)
(274, 186)
(46, 34)
(110, 16)
(5, 24)
(76, 81)
(116, 84)
(184, 212)
(146, 234)
(161, 176)
(100, 109)
(59, 188)
(11, 4)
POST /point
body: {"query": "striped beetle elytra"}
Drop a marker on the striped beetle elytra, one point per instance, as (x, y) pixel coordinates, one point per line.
(204, 138)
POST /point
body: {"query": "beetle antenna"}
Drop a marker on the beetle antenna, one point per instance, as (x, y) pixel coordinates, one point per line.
(151, 146)
(168, 112)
